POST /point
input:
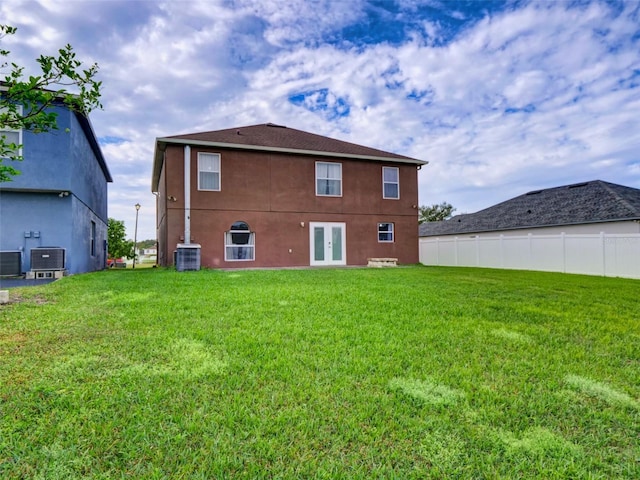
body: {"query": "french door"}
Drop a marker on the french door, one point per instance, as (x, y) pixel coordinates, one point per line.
(327, 243)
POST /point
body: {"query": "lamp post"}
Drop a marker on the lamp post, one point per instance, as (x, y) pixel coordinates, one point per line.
(135, 236)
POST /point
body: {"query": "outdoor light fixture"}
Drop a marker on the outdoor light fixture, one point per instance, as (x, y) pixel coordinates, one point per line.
(135, 236)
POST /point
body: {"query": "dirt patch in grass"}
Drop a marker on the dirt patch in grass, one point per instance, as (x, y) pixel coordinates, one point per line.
(16, 297)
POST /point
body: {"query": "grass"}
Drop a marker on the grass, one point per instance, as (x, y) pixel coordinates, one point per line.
(350, 373)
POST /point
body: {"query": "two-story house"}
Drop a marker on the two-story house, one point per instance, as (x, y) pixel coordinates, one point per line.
(59, 201)
(272, 196)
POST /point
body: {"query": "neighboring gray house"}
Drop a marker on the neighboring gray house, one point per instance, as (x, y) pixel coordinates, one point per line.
(581, 208)
(55, 211)
(589, 228)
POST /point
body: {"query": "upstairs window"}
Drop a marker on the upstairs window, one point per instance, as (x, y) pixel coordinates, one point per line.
(328, 179)
(385, 232)
(390, 183)
(208, 171)
(239, 243)
(10, 136)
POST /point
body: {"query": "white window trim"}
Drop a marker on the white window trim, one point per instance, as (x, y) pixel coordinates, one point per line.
(219, 172)
(391, 183)
(392, 232)
(316, 182)
(18, 130)
(251, 246)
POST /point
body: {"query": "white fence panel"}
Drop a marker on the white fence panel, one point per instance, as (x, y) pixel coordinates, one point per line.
(615, 255)
(467, 252)
(622, 255)
(489, 252)
(547, 253)
(584, 254)
(516, 253)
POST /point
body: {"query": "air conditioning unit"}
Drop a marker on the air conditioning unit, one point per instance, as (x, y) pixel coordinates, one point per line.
(10, 263)
(47, 258)
(187, 257)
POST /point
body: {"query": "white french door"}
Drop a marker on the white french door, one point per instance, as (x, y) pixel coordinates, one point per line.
(327, 242)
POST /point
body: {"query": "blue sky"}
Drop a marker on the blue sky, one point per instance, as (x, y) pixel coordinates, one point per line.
(501, 97)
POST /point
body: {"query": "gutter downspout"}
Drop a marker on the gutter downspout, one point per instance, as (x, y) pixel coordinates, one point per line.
(187, 194)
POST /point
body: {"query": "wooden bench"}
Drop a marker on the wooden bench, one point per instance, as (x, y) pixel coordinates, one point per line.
(382, 262)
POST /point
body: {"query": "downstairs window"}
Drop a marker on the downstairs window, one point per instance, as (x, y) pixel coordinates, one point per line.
(385, 232)
(239, 244)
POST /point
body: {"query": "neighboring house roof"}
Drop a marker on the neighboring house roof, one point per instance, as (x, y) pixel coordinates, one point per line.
(275, 138)
(580, 203)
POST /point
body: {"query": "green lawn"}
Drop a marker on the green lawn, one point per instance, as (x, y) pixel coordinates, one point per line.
(350, 373)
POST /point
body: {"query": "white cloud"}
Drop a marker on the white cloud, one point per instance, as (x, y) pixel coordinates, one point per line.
(530, 97)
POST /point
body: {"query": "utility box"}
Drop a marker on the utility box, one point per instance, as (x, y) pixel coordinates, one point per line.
(10, 263)
(47, 258)
(187, 257)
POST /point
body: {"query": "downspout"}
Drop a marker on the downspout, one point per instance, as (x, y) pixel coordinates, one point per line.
(187, 194)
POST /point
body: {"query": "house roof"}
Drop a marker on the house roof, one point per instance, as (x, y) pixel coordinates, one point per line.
(275, 138)
(589, 202)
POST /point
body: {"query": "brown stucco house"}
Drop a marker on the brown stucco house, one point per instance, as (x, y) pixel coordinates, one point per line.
(271, 196)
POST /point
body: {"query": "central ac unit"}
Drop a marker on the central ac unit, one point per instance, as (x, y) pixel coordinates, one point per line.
(187, 257)
(47, 258)
(10, 263)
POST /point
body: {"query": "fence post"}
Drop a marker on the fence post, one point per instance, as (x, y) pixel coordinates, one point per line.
(455, 251)
(564, 253)
(604, 254)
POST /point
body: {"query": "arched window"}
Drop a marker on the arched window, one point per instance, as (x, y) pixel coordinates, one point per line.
(239, 243)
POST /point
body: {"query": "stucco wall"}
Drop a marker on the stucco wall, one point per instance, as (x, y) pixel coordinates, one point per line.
(46, 164)
(32, 220)
(80, 258)
(274, 193)
(60, 161)
(88, 181)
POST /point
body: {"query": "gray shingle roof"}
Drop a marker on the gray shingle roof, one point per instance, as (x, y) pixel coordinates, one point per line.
(587, 202)
(277, 136)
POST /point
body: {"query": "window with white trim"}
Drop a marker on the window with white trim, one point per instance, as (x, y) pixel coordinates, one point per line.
(390, 182)
(209, 171)
(11, 136)
(328, 179)
(385, 232)
(239, 243)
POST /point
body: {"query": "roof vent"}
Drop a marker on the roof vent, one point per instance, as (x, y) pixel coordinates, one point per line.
(276, 126)
(534, 192)
(576, 185)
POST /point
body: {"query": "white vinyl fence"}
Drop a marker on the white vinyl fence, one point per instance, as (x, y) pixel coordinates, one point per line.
(611, 255)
